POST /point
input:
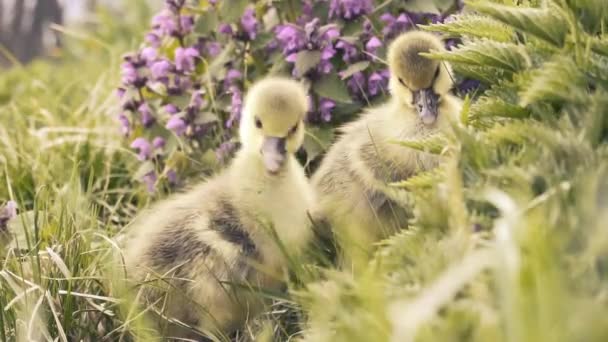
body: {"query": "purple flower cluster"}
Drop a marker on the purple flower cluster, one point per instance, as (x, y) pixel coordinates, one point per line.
(349, 9)
(7, 213)
(173, 95)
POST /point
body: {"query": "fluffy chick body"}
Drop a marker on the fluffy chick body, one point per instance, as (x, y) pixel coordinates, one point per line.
(224, 231)
(352, 182)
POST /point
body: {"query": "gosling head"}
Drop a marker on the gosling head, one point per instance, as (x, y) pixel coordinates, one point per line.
(273, 120)
(415, 80)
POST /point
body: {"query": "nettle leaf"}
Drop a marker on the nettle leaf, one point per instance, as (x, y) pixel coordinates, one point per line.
(434, 144)
(559, 80)
(473, 26)
(600, 45)
(547, 23)
(232, 10)
(490, 106)
(480, 73)
(487, 53)
(354, 68)
(421, 180)
(332, 87)
(306, 60)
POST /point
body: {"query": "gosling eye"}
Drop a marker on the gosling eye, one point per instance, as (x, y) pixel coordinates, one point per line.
(401, 81)
(293, 130)
(258, 123)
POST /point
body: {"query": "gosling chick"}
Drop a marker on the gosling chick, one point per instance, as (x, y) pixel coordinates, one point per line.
(212, 242)
(352, 181)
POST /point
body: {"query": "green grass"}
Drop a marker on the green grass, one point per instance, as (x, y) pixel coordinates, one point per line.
(509, 240)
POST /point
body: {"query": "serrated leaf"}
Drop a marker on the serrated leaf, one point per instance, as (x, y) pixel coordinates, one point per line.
(558, 80)
(434, 144)
(332, 87)
(473, 26)
(547, 23)
(486, 53)
(232, 10)
(421, 180)
(354, 68)
(306, 60)
(490, 106)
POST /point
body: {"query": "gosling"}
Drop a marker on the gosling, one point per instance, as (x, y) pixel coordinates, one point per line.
(228, 235)
(351, 184)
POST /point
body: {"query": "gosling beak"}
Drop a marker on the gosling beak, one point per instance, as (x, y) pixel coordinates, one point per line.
(425, 101)
(273, 153)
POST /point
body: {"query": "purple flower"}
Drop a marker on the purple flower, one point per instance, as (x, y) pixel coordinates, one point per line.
(120, 93)
(356, 83)
(196, 100)
(184, 58)
(349, 51)
(372, 45)
(171, 109)
(324, 67)
(235, 106)
(165, 23)
(172, 176)
(143, 148)
(232, 75)
(349, 9)
(129, 73)
(8, 212)
(125, 125)
(290, 38)
(158, 142)
(325, 108)
(327, 53)
(375, 83)
(148, 54)
(213, 48)
(150, 180)
(249, 24)
(225, 29)
(394, 26)
(160, 69)
(177, 125)
(152, 39)
(224, 151)
(186, 23)
(146, 114)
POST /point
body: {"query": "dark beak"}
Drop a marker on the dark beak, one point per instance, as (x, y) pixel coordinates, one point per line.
(425, 101)
(273, 153)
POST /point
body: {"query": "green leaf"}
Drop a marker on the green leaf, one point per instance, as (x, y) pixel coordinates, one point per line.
(421, 180)
(206, 23)
(232, 10)
(434, 144)
(306, 60)
(317, 141)
(490, 106)
(486, 53)
(547, 23)
(205, 118)
(332, 87)
(354, 68)
(558, 80)
(473, 26)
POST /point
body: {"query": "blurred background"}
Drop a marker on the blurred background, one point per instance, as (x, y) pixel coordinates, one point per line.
(31, 28)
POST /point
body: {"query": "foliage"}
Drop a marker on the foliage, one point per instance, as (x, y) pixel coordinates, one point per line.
(182, 90)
